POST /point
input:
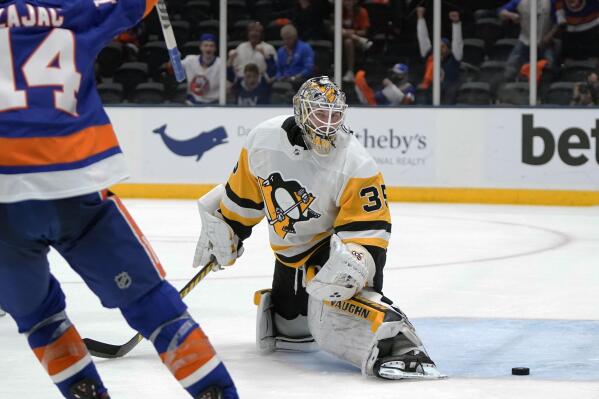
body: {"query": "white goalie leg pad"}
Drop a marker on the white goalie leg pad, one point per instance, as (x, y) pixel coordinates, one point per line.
(354, 328)
(273, 332)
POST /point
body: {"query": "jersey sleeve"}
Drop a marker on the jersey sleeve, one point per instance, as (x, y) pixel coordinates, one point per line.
(364, 216)
(110, 17)
(242, 206)
(364, 219)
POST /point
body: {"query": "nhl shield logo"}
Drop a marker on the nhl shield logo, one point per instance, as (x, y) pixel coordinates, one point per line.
(287, 202)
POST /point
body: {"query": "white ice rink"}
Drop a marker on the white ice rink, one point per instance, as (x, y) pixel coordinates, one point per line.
(488, 288)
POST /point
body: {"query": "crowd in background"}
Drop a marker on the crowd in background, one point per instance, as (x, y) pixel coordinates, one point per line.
(275, 45)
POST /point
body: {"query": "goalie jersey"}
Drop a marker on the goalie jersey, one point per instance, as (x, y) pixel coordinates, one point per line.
(306, 198)
(56, 140)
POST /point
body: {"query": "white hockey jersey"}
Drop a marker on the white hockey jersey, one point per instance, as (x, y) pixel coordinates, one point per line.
(202, 81)
(306, 198)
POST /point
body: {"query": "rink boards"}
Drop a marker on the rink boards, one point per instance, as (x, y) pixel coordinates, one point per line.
(500, 155)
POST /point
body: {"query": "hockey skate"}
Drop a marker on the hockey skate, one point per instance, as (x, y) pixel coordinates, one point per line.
(211, 393)
(87, 389)
(414, 364)
(398, 358)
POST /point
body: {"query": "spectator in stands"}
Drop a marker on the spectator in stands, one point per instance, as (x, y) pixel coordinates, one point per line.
(203, 73)
(396, 90)
(518, 12)
(450, 57)
(355, 29)
(581, 38)
(586, 93)
(308, 19)
(254, 51)
(252, 89)
(295, 59)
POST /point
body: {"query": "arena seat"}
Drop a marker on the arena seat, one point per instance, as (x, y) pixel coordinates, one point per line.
(514, 93)
(577, 71)
(559, 93)
(474, 51)
(474, 93)
(501, 49)
(469, 72)
(323, 55)
(190, 48)
(148, 93)
(155, 54)
(110, 58)
(197, 10)
(489, 30)
(239, 30)
(130, 74)
(282, 93)
(182, 30)
(111, 93)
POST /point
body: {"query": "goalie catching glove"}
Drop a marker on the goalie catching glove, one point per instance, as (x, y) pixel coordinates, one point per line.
(349, 268)
(217, 241)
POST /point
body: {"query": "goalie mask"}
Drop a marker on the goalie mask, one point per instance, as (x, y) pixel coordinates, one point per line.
(319, 109)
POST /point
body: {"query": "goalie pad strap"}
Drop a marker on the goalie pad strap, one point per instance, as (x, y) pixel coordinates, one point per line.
(352, 329)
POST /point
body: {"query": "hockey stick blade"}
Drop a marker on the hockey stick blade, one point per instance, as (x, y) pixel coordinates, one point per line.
(109, 351)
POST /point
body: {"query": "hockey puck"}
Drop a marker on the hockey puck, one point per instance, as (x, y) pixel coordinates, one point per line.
(520, 371)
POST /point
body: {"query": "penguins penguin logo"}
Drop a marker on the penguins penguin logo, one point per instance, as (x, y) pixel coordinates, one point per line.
(287, 202)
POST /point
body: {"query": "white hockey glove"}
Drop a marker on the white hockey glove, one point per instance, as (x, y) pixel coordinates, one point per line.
(217, 240)
(346, 272)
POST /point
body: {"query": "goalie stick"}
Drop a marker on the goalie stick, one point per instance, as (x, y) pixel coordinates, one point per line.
(109, 351)
(171, 43)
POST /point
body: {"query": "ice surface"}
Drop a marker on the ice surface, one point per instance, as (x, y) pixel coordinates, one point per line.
(488, 288)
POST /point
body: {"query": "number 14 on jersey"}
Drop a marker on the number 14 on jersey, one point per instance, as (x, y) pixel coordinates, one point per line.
(51, 64)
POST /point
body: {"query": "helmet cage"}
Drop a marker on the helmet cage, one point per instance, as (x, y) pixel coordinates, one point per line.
(320, 111)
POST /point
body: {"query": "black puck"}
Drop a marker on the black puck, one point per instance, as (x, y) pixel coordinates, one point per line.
(520, 371)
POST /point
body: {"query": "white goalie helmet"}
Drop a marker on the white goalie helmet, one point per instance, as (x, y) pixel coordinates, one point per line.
(319, 108)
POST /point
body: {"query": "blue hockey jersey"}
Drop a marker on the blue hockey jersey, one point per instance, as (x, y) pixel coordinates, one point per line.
(56, 140)
(580, 15)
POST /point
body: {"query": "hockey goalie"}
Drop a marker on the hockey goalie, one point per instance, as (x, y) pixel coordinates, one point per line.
(329, 227)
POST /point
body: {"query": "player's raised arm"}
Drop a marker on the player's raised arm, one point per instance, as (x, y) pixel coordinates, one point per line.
(110, 17)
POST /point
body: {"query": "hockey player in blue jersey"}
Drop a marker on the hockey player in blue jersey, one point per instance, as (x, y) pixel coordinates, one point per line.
(59, 154)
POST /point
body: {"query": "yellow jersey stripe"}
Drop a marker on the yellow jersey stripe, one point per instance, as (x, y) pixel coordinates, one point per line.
(229, 214)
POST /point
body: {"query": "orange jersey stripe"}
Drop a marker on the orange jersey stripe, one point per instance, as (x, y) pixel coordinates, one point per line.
(191, 355)
(62, 353)
(138, 233)
(150, 4)
(582, 20)
(38, 151)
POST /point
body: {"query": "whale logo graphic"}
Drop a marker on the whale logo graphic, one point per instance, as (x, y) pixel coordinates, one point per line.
(196, 146)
